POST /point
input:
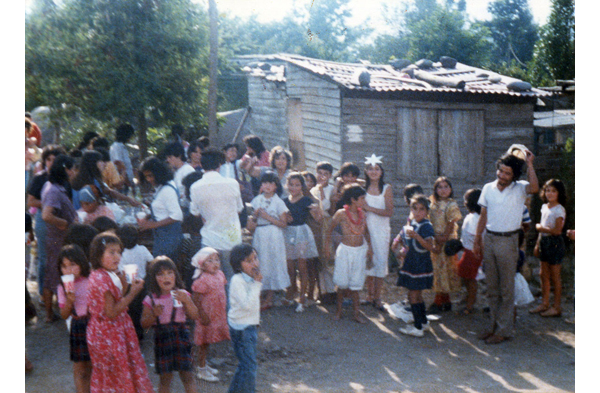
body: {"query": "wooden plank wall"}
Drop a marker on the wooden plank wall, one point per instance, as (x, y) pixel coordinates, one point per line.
(321, 116)
(268, 116)
(371, 126)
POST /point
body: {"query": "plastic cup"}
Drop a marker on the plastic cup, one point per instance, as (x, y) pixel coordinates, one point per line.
(82, 215)
(407, 228)
(130, 272)
(140, 215)
(176, 303)
(69, 282)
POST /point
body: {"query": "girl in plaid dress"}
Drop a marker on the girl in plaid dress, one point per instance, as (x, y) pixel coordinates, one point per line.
(165, 308)
(73, 303)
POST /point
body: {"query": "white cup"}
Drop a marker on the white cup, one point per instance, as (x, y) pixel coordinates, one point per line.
(82, 215)
(130, 272)
(407, 228)
(69, 282)
(176, 303)
(141, 215)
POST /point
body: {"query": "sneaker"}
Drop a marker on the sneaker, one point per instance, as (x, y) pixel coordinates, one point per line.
(211, 370)
(426, 327)
(411, 330)
(206, 375)
(300, 308)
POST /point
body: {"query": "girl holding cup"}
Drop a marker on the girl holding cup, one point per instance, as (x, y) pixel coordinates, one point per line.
(73, 303)
(166, 308)
(112, 342)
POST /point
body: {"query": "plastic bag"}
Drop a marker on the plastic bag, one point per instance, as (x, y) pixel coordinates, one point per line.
(523, 294)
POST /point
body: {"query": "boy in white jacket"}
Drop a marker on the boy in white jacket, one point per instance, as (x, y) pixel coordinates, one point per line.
(244, 315)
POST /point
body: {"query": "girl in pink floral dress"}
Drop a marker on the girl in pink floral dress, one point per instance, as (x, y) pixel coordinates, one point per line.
(117, 363)
(211, 299)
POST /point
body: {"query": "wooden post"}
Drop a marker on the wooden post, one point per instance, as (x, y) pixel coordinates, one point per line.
(212, 72)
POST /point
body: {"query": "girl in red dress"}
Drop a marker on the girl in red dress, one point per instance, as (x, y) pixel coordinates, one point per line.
(117, 363)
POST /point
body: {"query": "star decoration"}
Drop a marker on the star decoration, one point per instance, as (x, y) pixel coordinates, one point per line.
(373, 160)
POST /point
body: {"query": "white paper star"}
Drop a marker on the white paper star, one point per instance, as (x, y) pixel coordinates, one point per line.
(373, 160)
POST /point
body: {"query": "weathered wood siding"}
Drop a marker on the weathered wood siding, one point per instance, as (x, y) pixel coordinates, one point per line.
(321, 116)
(268, 116)
(420, 141)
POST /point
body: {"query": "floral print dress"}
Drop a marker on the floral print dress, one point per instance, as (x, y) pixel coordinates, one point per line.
(117, 362)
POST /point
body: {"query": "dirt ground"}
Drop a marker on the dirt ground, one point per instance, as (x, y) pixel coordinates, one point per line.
(310, 352)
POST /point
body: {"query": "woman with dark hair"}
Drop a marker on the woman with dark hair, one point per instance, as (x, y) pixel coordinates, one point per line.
(255, 150)
(34, 199)
(90, 173)
(58, 213)
(194, 153)
(166, 211)
(281, 163)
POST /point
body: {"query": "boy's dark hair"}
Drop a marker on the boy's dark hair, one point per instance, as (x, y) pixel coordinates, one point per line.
(255, 143)
(514, 162)
(194, 145)
(203, 142)
(269, 177)
(410, 190)
(129, 235)
(124, 132)
(351, 192)
(559, 186)
(87, 137)
(438, 181)
(229, 146)
(104, 152)
(103, 224)
(212, 159)
(52, 150)
(190, 179)
(75, 254)
(278, 151)
(420, 199)
(471, 198)
(157, 265)
(349, 168)
(160, 170)
(325, 166)
(58, 173)
(100, 141)
(174, 149)
(99, 244)
(238, 254)
(177, 129)
(191, 224)
(81, 235)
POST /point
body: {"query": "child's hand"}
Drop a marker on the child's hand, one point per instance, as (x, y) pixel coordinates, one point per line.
(136, 286)
(256, 275)
(251, 224)
(288, 217)
(260, 212)
(144, 224)
(70, 298)
(538, 227)
(157, 310)
(182, 297)
(411, 233)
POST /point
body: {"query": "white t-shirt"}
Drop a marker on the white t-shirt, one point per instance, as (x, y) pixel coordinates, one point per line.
(469, 229)
(325, 203)
(166, 204)
(244, 301)
(138, 255)
(550, 215)
(228, 171)
(218, 200)
(504, 208)
(118, 152)
(179, 175)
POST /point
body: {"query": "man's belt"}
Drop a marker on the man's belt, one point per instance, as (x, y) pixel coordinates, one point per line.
(504, 234)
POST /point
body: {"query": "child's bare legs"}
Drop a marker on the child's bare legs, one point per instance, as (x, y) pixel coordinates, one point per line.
(165, 383)
(47, 297)
(303, 270)
(268, 299)
(471, 285)
(293, 288)
(556, 282)
(355, 296)
(189, 384)
(377, 287)
(82, 373)
(369, 283)
(415, 297)
(313, 278)
(340, 299)
(545, 280)
(201, 354)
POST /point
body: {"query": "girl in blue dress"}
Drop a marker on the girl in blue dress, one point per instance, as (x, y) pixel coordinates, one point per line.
(416, 273)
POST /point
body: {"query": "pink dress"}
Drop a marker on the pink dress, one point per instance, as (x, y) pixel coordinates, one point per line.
(117, 363)
(214, 304)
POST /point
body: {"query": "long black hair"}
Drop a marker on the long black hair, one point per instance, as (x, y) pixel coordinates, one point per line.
(88, 170)
(58, 172)
(381, 182)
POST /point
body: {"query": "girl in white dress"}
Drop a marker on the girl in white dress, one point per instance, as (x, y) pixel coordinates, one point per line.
(268, 223)
(379, 209)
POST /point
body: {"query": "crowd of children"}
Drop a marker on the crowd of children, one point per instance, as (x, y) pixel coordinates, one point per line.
(334, 239)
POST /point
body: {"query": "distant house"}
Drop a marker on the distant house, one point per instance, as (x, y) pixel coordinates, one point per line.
(426, 120)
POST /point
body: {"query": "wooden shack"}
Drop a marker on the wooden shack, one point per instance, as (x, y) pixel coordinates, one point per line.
(426, 120)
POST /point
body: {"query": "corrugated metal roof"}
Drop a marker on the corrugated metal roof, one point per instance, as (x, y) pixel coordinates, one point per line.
(385, 78)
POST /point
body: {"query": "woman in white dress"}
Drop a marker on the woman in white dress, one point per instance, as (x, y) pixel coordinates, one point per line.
(379, 209)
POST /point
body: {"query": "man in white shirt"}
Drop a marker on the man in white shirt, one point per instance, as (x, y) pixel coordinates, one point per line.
(218, 200)
(119, 154)
(175, 155)
(501, 215)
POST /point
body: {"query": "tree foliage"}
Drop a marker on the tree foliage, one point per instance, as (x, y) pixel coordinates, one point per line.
(513, 31)
(142, 61)
(556, 48)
